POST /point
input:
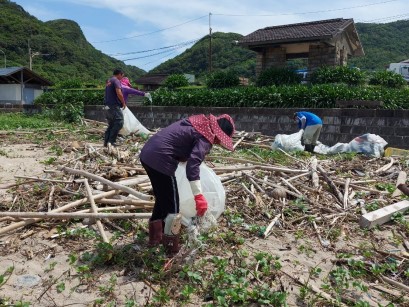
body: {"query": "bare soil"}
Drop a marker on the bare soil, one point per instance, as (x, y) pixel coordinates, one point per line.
(43, 273)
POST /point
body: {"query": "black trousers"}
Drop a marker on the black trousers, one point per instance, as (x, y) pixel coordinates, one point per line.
(115, 120)
(166, 193)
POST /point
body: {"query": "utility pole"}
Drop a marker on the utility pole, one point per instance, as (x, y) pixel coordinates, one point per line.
(5, 61)
(31, 55)
(210, 44)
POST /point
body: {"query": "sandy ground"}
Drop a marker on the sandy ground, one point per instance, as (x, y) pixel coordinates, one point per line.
(41, 263)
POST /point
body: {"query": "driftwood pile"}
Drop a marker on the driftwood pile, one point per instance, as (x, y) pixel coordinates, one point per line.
(326, 197)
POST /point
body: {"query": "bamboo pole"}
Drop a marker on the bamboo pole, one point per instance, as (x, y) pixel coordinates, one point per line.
(262, 167)
(114, 185)
(134, 202)
(61, 209)
(74, 215)
(43, 179)
(95, 210)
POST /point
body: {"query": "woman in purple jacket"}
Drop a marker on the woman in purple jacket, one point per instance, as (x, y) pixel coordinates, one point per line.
(187, 140)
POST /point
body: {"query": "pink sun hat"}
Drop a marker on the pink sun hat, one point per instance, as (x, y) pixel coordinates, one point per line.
(211, 130)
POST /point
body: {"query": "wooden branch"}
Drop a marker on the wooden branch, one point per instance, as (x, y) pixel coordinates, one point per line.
(75, 215)
(395, 283)
(385, 167)
(50, 199)
(270, 226)
(61, 209)
(346, 193)
(238, 142)
(113, 185)
(401, 180)
(43, 179)
(334, 188)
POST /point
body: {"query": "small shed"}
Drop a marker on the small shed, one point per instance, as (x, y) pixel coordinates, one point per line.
(20, 85)
(150, 82)
(324, 42)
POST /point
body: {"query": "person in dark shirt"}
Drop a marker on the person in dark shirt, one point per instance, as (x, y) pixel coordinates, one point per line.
(187, 140)
(114, 101)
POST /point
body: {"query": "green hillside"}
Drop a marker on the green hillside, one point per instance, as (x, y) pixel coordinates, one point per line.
(225, 55)
(70, 55)
(383, 44)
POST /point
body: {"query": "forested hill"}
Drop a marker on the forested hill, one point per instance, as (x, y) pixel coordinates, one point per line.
(69, 53)
(225, 55)
(382, 43)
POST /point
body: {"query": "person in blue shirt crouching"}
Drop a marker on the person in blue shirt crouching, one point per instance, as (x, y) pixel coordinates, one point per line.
(312, 125)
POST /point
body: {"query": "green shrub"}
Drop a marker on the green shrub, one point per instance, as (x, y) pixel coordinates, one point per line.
(175, 81)
(222, 79)
(69, 83)
(68, 105)
(278, 76)
(290, 96)
(387, 78)
(338, 74)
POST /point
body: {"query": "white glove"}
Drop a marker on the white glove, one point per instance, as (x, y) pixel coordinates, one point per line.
(148, 95)
(196, 187)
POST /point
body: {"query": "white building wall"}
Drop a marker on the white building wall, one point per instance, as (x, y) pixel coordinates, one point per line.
(10, 93)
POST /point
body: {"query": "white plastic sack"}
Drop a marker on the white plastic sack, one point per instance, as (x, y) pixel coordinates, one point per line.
(212, 188)
(368, 144)
(132, 124)
(288, 142)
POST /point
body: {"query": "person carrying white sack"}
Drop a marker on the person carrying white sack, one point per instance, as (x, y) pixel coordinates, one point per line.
(187, 140)
(312, 125)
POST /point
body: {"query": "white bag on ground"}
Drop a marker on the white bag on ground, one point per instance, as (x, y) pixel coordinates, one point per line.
(132, 124)
(288, 142)
(212, 188)
(368, 144)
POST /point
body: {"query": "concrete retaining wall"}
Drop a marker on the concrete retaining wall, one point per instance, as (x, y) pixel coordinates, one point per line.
(340, 125)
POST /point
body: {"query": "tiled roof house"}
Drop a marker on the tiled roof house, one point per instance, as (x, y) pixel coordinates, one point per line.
(151, 82)
(324, 42)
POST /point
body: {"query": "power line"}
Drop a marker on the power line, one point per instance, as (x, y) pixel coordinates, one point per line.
(387, 18)
(170, 53)
(305, 13)
(147, 56)
(143, 51)
(145, 34)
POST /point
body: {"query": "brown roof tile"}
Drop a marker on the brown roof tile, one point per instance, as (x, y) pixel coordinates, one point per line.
(315, 30)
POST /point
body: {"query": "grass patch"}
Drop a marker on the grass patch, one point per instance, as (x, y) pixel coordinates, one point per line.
(13, 121)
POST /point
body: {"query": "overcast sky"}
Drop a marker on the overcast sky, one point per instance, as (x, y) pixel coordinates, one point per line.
(137, 31)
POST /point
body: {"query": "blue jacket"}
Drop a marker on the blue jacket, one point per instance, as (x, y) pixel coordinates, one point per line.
(305, 119)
